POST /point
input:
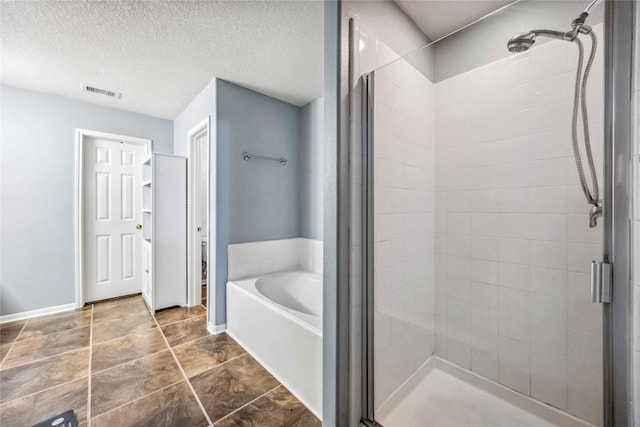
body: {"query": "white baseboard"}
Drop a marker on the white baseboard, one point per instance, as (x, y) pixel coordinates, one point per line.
(216, 329)
(37, 313)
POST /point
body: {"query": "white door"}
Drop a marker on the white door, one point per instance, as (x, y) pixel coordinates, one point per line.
(112, 211)
(199, 177)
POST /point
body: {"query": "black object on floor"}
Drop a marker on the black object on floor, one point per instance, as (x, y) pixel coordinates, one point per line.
(68, 419)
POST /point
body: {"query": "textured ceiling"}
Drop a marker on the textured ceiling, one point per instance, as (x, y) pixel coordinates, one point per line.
(160, 54)
(437, 18)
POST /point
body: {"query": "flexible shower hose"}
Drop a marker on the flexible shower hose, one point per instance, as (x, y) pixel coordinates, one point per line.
(580, 98)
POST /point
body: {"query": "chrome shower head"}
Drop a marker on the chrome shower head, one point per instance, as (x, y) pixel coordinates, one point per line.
(521, 42)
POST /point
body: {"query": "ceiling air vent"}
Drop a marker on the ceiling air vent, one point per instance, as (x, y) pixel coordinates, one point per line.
(109, 93)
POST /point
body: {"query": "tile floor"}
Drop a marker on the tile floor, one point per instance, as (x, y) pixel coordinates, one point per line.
(115, 363)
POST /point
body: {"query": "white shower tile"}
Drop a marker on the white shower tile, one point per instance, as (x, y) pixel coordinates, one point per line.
(514, 251)
(517, 72)
(585, 346)
(514, 326)
(549, 281)
(585, 317)
(549, 227)
(549, 364)
(548, 254)
(485, 295)
(484, 248)
(548, 337)
(484, 271)
(514, 377)
(515, 226)
(580, 255)
(484, 201)
(549, 309)
(485, 365)
(484, 224)
(578, 230)
(549, 391)
(548, 60)
(515, 276)
(548, 200)
(485, 319)
(513, 175)
(514, 300)
(458, 201)
(549, 145)
(515, 200)
(579, 286)
(551, 89)
(459, 223)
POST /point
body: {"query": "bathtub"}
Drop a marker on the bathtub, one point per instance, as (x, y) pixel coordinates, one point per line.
(277, 318)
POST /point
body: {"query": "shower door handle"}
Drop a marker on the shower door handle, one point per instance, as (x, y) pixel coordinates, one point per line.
(600, 281)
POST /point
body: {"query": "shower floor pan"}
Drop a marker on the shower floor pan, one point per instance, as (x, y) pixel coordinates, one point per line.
(441, 394)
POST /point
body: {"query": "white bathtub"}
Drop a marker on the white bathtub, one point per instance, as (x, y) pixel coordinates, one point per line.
(277, 318)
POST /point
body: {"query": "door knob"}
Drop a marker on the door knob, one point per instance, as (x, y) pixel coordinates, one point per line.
(139, 226)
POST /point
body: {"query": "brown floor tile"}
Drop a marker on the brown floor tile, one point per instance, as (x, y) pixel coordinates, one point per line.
(186, 330)
(117, 328)
(171, 406)
(124, 383)
(46, 325)
(109, 312)
(122, 350)
(41, 406)
(4, 349)
(37, 376)
(176, 314)
(203, 354)
(228, 387)
(110, 303)
(9, 331)
(47, 345)
(278, 408)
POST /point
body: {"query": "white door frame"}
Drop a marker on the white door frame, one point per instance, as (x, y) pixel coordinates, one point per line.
(194, 283)
(78, 211)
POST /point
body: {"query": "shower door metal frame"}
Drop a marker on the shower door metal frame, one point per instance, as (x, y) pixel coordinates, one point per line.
(368, 240)
(619, 54)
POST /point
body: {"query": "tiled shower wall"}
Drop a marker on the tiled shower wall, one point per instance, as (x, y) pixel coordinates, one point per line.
(404, 168)
(513, 247)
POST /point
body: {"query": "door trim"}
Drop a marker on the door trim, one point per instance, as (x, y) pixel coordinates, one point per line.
(78, 210)
(194, 286)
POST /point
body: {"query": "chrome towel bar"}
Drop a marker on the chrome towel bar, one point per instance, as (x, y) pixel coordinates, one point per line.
(248, 156)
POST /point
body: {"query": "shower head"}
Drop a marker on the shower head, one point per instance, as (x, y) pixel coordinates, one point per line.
(523, 41)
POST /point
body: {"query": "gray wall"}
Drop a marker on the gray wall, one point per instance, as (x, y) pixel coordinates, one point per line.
(311, 168)
(486, 41)
(256, 200)
(37, 200)
(202, 106)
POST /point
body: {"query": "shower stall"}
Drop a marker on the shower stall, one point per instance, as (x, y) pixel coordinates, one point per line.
(483, 164)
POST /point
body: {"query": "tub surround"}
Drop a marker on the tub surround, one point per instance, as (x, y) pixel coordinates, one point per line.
(257, 258)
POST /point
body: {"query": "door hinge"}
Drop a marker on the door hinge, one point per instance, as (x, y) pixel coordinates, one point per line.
(600, 281)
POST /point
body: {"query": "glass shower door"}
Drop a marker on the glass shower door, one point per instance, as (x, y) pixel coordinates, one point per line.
(481, 246)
